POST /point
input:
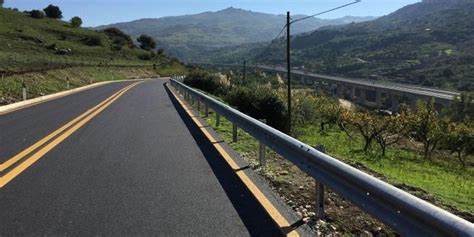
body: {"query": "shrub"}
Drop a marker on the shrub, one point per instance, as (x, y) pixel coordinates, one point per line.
(204, 81)
(304, 106)
(260, 103)
(116, 47)
(146, 56)
(146, 42)
(329, 111)
(92, 40)
(76, 22)
(53, 12)
(37, 14)
(118, 37)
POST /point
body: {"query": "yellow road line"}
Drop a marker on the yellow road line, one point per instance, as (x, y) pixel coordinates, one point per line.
(279, 219)
(38, 155)
(63, 94)
(41, 142)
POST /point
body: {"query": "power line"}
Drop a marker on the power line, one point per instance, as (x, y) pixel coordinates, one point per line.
(275, 39)
(278, 36)
(289, 22)
(330, 10)
(267, 47)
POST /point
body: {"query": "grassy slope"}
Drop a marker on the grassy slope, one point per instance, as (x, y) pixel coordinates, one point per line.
(24, 55)
(24, 42)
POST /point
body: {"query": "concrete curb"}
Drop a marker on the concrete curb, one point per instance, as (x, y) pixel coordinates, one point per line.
(27, 103)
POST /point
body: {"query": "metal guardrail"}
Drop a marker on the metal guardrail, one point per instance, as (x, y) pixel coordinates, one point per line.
(405, 213)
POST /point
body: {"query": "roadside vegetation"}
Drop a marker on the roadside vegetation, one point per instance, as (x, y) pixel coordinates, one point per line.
(423, 151)
(42, 51)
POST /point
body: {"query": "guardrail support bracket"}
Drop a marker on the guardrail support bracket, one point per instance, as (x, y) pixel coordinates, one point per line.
(261, 152)
(319, 205)
(234, 133)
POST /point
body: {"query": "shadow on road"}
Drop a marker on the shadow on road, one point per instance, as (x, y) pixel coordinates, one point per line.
(253, 215)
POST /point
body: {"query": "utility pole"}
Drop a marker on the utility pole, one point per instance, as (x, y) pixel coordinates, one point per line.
(288, 23)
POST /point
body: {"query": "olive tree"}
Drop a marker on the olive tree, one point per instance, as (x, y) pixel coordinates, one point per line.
(76, 22)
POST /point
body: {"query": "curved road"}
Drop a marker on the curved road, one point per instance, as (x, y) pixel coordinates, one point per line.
(129, 166)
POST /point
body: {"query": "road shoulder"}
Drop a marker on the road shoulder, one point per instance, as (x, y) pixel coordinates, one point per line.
(271, 202)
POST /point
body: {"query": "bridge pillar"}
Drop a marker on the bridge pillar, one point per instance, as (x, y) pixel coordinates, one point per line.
(340, 91)
(378, 97)
(395, 103)
(353, 93)
(363, 97)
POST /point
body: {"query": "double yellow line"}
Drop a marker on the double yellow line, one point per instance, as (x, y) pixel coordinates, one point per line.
(53, 139)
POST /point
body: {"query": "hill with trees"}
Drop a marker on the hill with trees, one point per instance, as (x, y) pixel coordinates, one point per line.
(38, 49)
(189, 37)
(428, 43)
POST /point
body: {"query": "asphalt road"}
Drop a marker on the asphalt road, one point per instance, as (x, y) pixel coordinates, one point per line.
(136, 168)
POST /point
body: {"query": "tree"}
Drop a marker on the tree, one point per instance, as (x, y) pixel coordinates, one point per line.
(389, 130)
(37, 14)
(53, 11)
(461, 109)
(329, 111)
(76, 22)
(459, 139)
(1, 3)
(364, 123)
(146, 42)
(426, 127)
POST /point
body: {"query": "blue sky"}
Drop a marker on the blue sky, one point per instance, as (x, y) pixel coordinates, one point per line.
(98, 12)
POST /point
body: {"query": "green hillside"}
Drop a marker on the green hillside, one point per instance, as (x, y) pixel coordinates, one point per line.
(30, 48)
(26, 44)
(427, 44)
(190, 37)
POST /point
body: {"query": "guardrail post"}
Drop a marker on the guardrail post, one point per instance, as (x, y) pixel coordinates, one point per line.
(234, 131)
(199, 105)
(261, 152)
(23, 85)
(218, 119)
(206, 110)
(319, 206)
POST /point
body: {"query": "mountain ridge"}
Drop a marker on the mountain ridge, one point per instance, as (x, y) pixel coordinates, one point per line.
(189, 36)
(428, 44)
